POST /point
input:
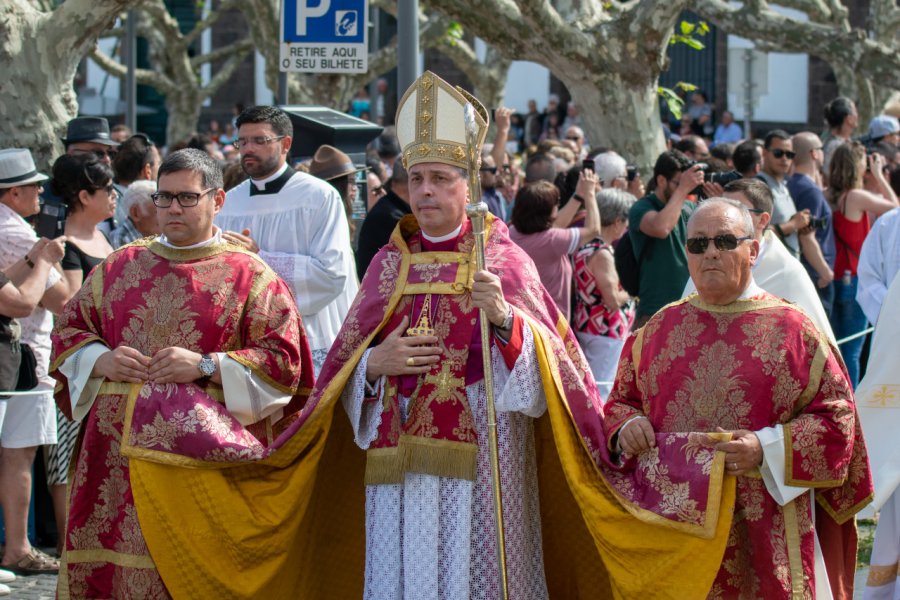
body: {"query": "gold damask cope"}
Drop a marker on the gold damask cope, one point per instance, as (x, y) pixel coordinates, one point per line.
(430, 123)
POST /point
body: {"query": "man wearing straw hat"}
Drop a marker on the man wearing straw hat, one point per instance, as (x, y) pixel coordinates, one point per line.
(27, 421)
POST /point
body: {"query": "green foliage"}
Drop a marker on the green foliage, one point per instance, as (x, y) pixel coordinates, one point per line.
(454, 33)
(687, 33)
(674, 102)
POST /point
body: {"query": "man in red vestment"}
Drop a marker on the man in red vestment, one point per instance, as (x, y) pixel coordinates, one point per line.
(180, 354)
(735, 358)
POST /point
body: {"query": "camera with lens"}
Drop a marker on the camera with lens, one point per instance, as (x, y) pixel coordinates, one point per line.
(631, 171)
(722, 178)
(818, 223)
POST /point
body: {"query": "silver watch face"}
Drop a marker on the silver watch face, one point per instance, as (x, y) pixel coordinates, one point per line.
(207, 366)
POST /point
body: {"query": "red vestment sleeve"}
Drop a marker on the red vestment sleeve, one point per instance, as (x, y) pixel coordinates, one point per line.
(513, 348)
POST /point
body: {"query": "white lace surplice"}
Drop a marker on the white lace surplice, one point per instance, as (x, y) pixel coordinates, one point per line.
(304, 236)
(432, 537)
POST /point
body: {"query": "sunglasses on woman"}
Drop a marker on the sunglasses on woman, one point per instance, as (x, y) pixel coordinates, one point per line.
(727, 241)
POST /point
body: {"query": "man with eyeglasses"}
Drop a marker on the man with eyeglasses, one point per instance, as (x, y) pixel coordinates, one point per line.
(775, 270)
(296, 222)
(182, 354)
(489, 193)
(735, 360)
(778, 155)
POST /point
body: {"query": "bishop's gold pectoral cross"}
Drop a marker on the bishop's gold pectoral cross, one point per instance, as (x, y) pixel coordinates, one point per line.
(423, 325)
(444, 383)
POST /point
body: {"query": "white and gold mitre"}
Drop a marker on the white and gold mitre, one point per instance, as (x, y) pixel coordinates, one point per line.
(430, 123)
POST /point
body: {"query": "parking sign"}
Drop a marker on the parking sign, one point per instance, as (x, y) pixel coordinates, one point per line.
(324, 36)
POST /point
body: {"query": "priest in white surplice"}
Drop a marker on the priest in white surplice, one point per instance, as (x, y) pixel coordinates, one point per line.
(416, 399)
(776, 270)
(295, 222)
(878, 400)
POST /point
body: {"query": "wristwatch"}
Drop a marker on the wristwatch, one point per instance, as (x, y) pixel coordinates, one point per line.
(207, 365)
(508, 321)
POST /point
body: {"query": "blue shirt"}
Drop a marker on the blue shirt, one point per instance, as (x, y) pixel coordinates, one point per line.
(728, 134)
(807, 194)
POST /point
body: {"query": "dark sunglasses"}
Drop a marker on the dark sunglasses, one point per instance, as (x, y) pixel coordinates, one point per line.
(698, 245)
(100, 154)
(491, 170)
(779, 153)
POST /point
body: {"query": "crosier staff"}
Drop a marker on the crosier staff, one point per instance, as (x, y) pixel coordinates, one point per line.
(476, 210)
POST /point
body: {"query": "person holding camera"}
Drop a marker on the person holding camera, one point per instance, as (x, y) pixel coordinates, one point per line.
(817, 240)
(658, 222)
(30, 419)
(851, 206)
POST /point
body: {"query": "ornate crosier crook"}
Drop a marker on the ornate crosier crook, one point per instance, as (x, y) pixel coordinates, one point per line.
(477, 210)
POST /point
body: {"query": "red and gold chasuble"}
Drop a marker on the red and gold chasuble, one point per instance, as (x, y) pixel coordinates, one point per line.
(750, 365)
(606, 532)
(149, 297)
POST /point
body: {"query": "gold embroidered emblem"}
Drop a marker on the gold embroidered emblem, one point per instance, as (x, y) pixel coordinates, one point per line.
(884, 397)
(459, 153)
(445, 384)
(423, 325)
(424, 149)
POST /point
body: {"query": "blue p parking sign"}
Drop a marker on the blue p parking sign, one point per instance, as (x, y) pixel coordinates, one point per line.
(324, 36)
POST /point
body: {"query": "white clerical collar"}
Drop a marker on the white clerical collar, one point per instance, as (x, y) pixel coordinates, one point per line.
(751, 291)
(450, 236)
(215, 239)
(261, 183)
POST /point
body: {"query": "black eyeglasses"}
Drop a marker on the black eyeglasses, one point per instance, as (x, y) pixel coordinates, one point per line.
(258, 140)
(698, 245)
(185, 199)
(100, 154)
(491, 170)
(779, 153)
(109, 189)
(574, 138)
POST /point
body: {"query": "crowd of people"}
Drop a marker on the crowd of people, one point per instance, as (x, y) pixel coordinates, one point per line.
(235, 289)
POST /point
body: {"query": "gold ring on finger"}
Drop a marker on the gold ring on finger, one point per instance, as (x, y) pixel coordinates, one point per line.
(410, 362)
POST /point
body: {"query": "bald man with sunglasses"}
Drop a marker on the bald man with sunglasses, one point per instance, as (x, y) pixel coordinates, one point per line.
(735, 360)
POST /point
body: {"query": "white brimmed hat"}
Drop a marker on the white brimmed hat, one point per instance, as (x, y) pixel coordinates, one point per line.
(17, 168)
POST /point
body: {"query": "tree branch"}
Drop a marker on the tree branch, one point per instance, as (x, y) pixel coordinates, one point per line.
(242, 47)
(839, 47)
(214, 15)
(88, 17)
(142, 76)
(227, 70)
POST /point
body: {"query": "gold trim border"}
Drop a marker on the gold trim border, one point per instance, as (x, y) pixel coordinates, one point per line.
(717, 471)
(98, 555)
(792, 540)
